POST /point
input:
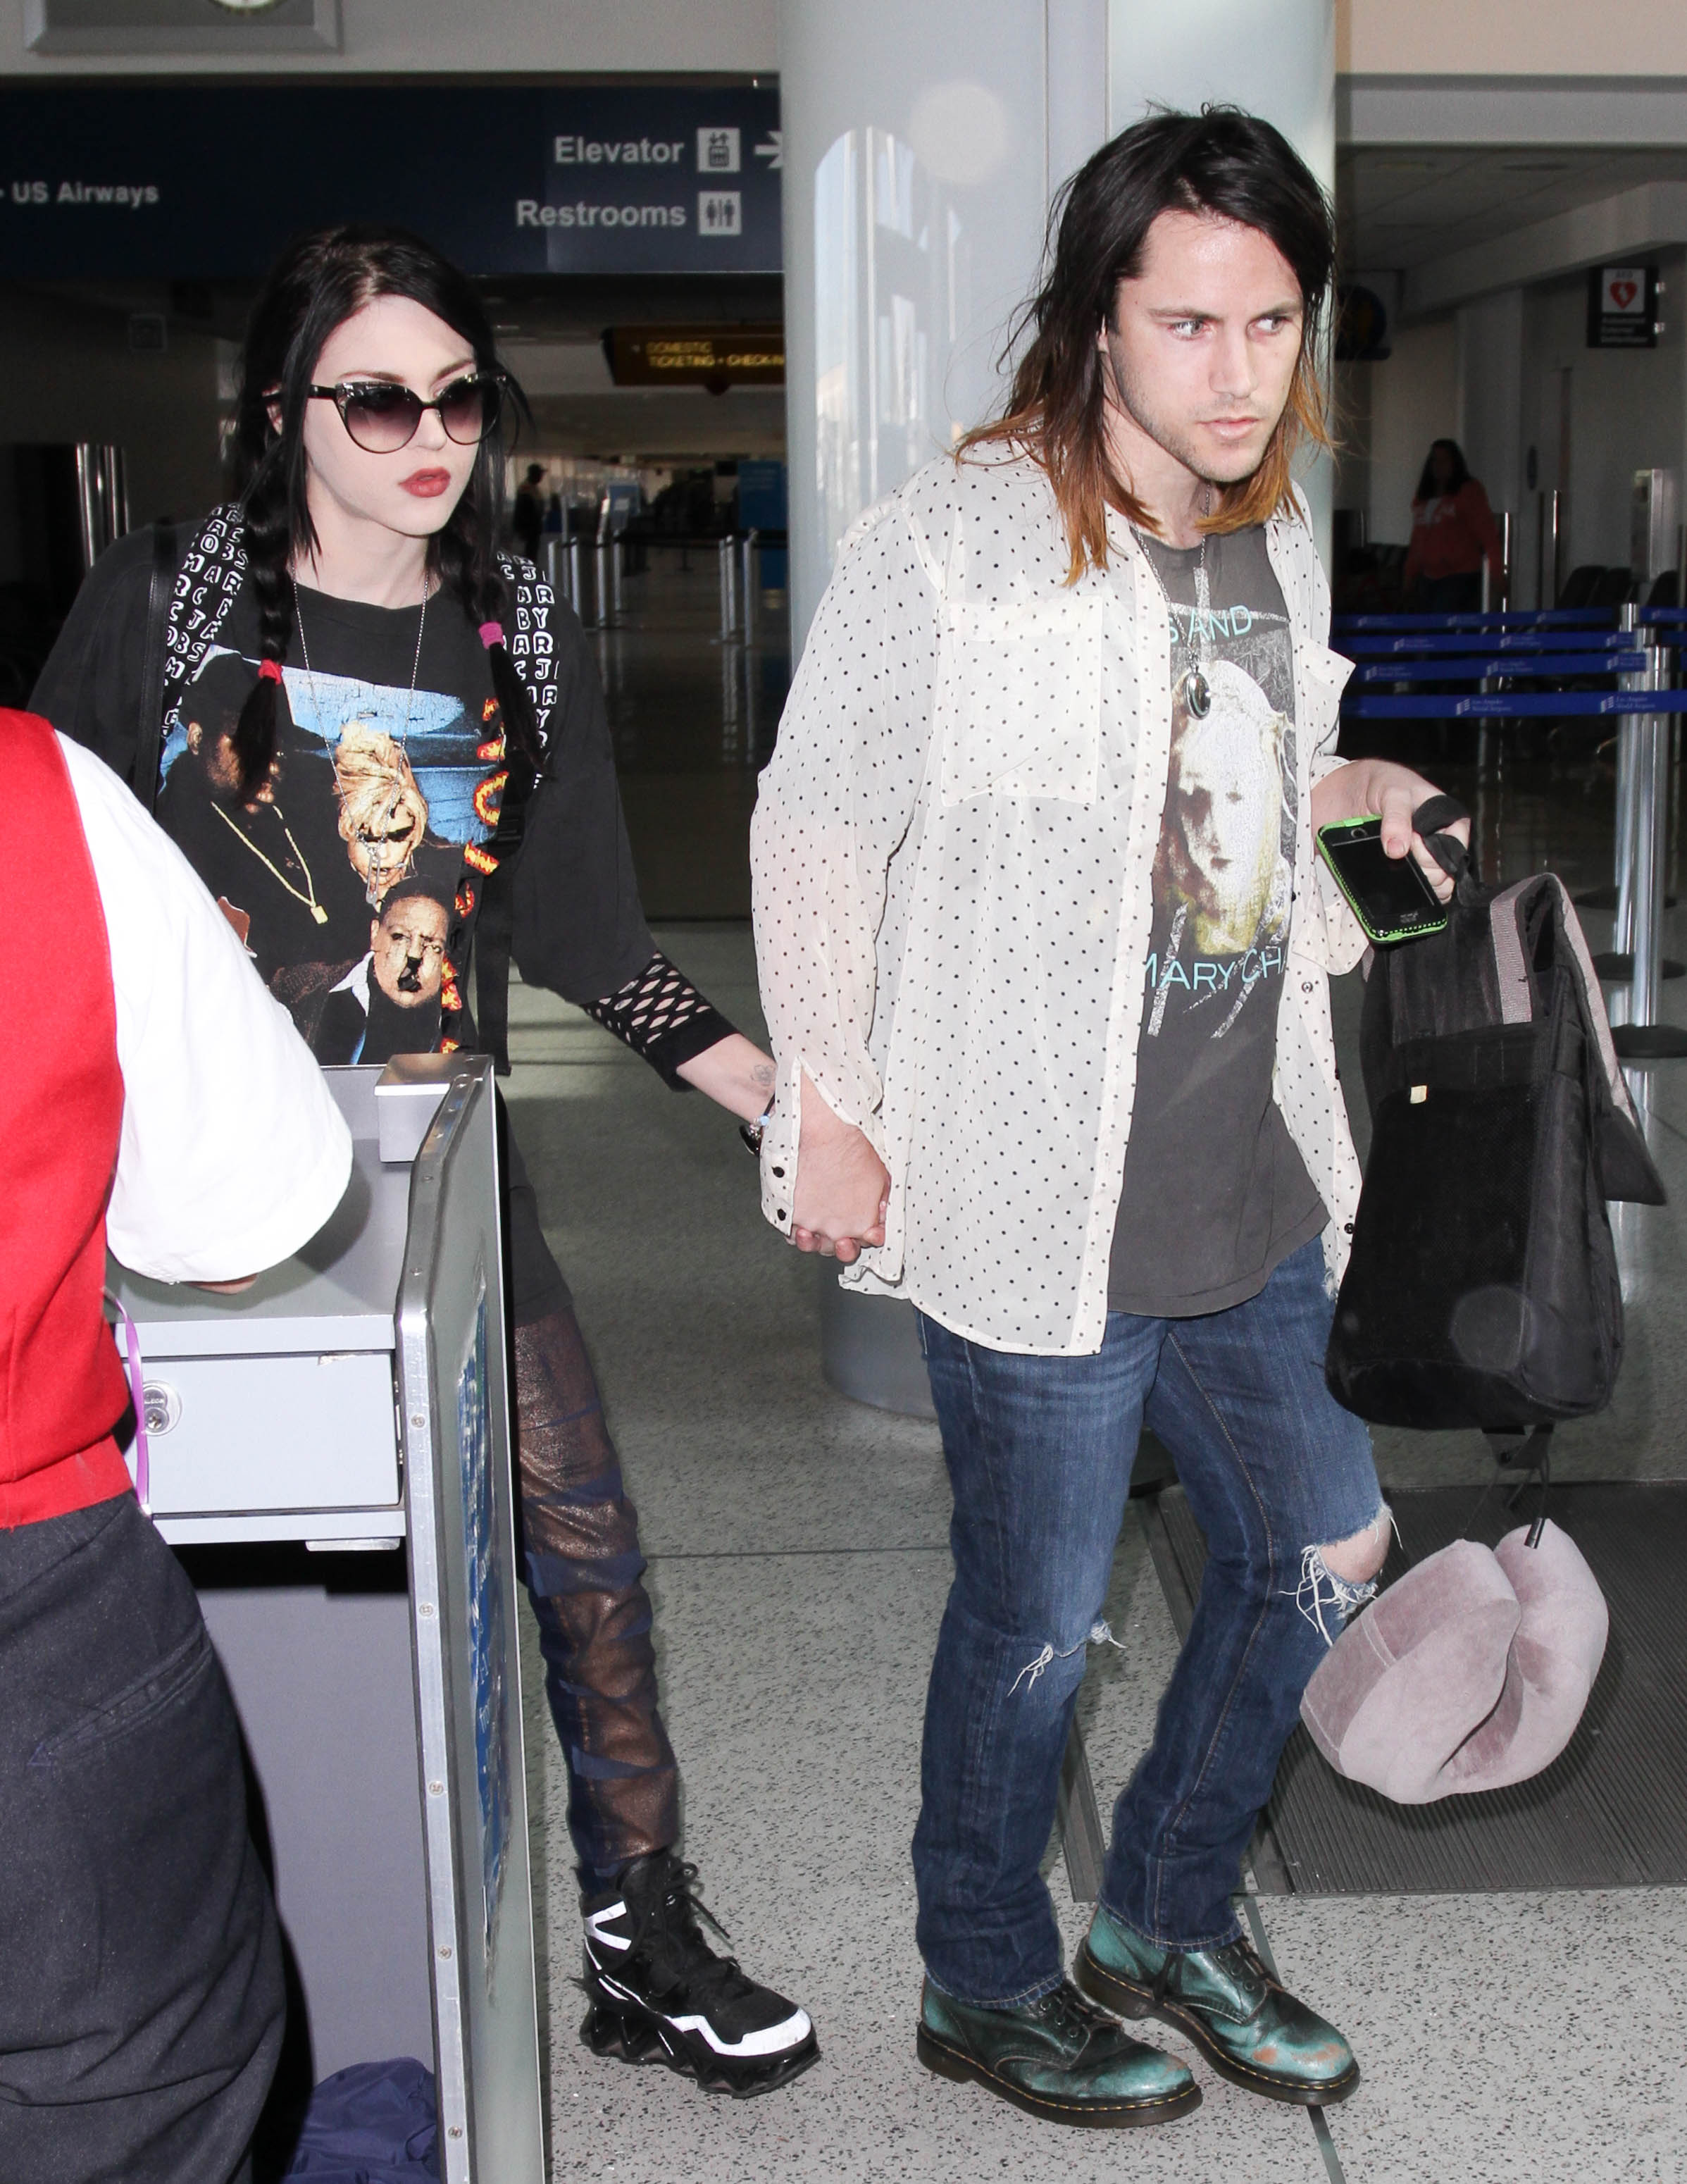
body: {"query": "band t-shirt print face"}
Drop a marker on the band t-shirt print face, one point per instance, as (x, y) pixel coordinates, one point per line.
(1215, 1193)
(350, 876)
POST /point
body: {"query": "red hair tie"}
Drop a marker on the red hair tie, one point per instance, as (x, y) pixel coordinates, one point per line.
(269, 671)
(492, 633)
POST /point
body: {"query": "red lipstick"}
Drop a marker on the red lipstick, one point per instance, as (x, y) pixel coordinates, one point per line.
(427, 485)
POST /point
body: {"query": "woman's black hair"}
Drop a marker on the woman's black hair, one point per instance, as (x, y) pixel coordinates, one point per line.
(1427, 487)
(321, 281)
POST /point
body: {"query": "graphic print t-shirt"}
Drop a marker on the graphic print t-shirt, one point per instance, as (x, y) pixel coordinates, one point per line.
(351, 876)
(1215, 1193)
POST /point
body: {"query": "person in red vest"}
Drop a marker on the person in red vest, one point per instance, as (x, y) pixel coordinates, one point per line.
(1453, 532)
(162, 1102)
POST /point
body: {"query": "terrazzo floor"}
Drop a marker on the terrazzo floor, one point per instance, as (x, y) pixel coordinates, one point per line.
(799, 1565)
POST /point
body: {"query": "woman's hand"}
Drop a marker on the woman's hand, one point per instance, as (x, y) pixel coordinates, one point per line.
(843, 1186)
(1375, 788)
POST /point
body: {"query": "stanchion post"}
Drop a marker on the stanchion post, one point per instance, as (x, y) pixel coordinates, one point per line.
(1629, 731)
(727, 556)
(601, 552)
(617, 567)
(751, 556)
(577, 581)
(1647, 861)
(1644, 1038)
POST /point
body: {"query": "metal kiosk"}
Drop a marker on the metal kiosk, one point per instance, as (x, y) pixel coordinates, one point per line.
(354, 1399)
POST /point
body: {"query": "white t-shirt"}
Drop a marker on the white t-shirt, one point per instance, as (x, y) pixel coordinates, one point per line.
(233, 1153)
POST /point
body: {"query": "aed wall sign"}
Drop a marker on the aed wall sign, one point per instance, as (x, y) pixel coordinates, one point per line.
(1623, 307)
(201, 183)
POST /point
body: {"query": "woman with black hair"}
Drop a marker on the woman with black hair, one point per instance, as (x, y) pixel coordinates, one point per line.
(1453, 532)
(428, 702)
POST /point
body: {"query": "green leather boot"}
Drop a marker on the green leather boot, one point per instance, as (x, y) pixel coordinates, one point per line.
(1250, 2029)
(1055, 2057)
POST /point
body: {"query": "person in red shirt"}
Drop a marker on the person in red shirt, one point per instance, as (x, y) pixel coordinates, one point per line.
(163, 1103)
(1453, 532)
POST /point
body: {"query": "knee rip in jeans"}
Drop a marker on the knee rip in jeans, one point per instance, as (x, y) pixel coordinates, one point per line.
(1325, 1597)
(1099, 1634)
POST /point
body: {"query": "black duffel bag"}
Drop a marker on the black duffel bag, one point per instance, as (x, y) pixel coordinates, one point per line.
(1482, 1289)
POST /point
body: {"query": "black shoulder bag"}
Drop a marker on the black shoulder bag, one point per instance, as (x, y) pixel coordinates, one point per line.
(1482, 1289)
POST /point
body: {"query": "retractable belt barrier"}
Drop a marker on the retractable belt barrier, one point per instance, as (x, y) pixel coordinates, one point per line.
(1541, 618)
(1557, 645)
(1415, 670)
(1523, 705)
(1514, 643)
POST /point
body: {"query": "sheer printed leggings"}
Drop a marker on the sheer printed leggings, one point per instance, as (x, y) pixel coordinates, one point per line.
(583, 1566)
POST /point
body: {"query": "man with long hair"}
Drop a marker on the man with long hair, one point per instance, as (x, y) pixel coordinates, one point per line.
(1044, 952)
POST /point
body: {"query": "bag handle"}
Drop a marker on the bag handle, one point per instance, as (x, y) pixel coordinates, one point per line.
(148, 744)
(1431, 816)
(1527, 1450)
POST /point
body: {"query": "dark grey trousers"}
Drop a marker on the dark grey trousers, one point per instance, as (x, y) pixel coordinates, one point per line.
(141, 1994)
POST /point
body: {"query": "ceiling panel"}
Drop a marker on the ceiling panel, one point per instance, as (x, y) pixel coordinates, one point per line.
(1398, 206)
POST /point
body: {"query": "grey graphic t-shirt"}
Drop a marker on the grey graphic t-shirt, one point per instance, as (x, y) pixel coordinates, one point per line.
(1215, 1193)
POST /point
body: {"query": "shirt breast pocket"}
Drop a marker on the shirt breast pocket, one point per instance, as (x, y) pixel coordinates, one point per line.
(1019, 707)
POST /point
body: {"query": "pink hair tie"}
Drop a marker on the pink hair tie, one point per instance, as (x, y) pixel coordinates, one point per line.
(492, 633)
(269, 671)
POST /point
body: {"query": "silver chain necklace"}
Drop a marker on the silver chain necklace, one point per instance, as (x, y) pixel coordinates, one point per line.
(415, 665)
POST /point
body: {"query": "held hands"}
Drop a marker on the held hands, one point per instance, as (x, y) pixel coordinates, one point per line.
(1367, 787)
(843, 1186)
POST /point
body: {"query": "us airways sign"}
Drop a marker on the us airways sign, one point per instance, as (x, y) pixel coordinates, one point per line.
(97, 181)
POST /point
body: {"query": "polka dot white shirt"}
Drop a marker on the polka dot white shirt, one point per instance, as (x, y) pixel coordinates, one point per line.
(951, 858)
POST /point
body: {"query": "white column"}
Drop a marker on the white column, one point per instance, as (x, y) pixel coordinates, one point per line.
(1276, 57)
(921, 138)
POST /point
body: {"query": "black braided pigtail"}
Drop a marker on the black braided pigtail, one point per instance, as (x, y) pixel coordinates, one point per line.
(269, 549)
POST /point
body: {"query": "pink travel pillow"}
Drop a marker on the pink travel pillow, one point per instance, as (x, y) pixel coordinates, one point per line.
(1469, 1673)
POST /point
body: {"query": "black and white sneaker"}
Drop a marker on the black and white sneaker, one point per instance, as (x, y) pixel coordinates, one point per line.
(658, 1993)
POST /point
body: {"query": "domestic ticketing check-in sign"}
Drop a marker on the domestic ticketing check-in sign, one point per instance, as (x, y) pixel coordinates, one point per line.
(192, 182)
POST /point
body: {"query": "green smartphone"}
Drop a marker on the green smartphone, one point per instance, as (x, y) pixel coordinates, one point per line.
(1390, 896)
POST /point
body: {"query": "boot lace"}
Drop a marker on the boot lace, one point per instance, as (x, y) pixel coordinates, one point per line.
(1073, 2017)
(1240, 1957)
(668, 1928)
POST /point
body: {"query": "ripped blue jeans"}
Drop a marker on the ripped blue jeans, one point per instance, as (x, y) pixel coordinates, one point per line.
(1039, 1452)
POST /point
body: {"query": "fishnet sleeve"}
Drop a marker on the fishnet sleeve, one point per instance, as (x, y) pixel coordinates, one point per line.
(661, 1016)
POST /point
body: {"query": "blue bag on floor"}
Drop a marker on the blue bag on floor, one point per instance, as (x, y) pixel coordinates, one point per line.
(372, 2124)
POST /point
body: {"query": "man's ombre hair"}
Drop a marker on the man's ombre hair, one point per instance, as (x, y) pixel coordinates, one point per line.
(1220, 161)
